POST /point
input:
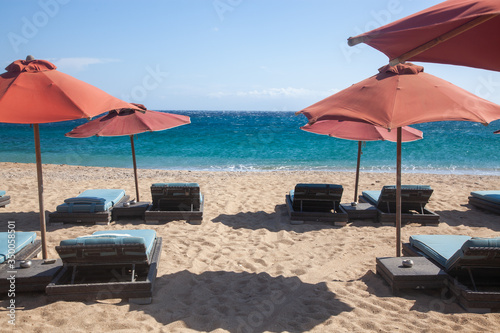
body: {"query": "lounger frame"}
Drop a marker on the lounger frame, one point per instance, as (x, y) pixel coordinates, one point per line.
(126, 277)
(484, 204)
(30, 251)
(85, 218)
(172, 203)
(412, 207)
(4, 201)
(475, 286)
(311, 207)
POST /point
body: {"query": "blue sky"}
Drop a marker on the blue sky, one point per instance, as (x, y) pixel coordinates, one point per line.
(280, 55)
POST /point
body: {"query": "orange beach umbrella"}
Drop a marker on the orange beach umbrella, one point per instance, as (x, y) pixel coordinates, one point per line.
(398, 96)
(34, 92)
(359, 131)
(129, 122)
(403, 95)
(457, 32)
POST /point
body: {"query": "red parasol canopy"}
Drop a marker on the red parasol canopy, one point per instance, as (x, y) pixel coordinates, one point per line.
(403, 95)
(398, 96)
(34, 92)
(129, 122)
(359, 131)
(457, 32)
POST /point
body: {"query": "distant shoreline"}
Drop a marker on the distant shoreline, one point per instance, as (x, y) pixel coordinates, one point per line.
(242, 170)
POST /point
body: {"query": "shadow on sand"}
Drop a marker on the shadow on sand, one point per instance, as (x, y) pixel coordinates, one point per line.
(276, 221)
(241, 302)
(24, 221)
(472, 217)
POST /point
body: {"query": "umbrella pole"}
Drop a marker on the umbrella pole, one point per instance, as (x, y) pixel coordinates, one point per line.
(38, 154)
(398, 196)
(135, 168)
(357, 173)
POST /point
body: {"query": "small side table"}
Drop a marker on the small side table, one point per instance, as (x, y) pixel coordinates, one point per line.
(423, 273)
(133, 210)
(34, 278)
(362, 210)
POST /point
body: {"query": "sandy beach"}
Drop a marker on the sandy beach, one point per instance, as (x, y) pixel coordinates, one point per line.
(246, 268)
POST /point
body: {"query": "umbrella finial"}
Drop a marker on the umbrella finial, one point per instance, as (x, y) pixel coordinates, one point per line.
(30, 58)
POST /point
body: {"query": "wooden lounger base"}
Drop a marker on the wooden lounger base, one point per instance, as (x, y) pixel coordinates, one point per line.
(80, 218)
(484, 204)
(339, 218)
(84, 218)
(105, 281)
(161, 216)
(158, 216)
(30, 251)
(427, 218)
(485, 299)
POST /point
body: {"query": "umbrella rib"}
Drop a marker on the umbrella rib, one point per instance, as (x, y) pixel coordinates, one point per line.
(438, 40)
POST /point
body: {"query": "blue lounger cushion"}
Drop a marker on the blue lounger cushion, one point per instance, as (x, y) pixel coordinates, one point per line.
(2, 193)
(374, 196)
(91, 201)
(22, 239)
(491, 196)
(438, 247)
(449, 250)
(116, 237)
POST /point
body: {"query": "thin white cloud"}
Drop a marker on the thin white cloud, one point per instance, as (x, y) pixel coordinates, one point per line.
(79, 64)
(276, 92)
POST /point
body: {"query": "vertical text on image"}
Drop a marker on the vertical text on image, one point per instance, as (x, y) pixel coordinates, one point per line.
(11, 262)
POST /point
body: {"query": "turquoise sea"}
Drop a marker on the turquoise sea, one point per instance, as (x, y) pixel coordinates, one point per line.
(259, 141)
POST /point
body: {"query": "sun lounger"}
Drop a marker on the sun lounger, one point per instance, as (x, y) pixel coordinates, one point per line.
(413, 201)
(108, 264)
(316, 203)
(472, 264)
(15, 249)
(4, 199)
(175, 201)
(488, 200)
(91, 206)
